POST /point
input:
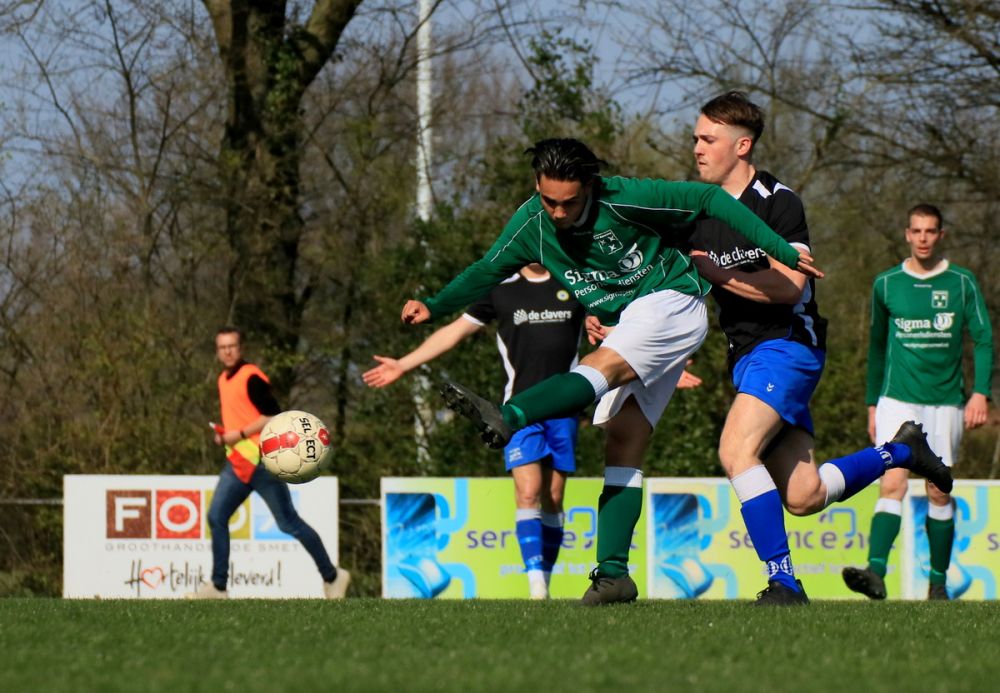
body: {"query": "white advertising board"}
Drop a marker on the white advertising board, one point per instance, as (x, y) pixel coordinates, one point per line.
(147, 537)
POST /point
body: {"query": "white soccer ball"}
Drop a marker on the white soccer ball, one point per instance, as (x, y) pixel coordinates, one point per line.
(295, 446)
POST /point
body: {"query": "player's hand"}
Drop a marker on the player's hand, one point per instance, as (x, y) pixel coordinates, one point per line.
(217, 438)
(806, 267)
(976, 410)
(387, 372)
(596, 332)
(688, 379)
(871, 425)
(415, 312)
(230, 438)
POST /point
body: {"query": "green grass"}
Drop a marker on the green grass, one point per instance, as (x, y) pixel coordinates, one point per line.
(370, 644)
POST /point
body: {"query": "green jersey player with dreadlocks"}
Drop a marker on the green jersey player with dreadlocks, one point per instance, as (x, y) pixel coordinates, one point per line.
(611, 242)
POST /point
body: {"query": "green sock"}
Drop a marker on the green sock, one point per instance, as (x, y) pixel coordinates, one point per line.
(940, 535)
(617, 514)
(561, 395)
(885, 527)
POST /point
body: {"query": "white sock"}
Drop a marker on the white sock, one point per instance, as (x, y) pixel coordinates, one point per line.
(940, 512)
(754, 482)
(628, 477)
(595, 378)
(889, 505)
(834, 481)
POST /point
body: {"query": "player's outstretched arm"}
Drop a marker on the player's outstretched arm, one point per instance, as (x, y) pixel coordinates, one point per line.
(385, 373)
(442, 340)
(871, 424)
(779, 284)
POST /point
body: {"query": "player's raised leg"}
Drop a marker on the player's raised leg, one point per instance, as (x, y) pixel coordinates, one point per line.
(806, 490)
(558, 396)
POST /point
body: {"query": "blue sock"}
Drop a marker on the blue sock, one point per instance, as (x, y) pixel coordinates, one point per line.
(529, 536)
(552, 536)
(765, 520)
(863, 467)
(894, 455)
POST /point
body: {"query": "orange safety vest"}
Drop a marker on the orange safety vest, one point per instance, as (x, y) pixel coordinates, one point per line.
(238, 412)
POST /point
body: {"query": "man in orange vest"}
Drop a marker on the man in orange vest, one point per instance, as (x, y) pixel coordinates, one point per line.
(247, 405)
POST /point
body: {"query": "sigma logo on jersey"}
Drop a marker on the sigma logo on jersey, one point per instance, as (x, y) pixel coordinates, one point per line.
(939, 299)
(941, 322)
(535, 317)
(575, 276)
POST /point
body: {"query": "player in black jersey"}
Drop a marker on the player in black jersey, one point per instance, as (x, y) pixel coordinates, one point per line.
(538, 333)
(777, 342)
(776, 354)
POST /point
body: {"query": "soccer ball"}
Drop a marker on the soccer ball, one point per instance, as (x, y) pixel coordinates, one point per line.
(295, 446)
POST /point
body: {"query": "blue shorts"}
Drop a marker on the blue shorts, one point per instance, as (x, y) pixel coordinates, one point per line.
(554, 438)
(783, 374)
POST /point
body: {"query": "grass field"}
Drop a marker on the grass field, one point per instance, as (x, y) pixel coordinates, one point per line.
(371, 644)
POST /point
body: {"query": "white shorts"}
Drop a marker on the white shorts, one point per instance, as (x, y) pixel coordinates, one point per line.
(943, 424)
(656, 336)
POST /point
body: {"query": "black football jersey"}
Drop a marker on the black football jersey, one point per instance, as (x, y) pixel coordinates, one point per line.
(538, 329)
(745, 322)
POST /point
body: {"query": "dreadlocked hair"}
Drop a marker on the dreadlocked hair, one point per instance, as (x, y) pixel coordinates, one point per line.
(564, 159)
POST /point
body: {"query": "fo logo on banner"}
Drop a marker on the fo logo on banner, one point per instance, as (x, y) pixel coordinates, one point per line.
(135, 515)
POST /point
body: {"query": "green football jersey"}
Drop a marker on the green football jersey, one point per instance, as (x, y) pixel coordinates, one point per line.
(917, 325)
(623, 247)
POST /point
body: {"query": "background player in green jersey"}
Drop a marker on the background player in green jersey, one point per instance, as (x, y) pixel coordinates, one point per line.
(920, 310)
(611, 243)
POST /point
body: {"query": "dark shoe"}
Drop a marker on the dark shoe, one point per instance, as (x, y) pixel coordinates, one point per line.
(777, 594)
(923, 461)
(482, 413)
(864, 581)
(937, 592)
(608, 590)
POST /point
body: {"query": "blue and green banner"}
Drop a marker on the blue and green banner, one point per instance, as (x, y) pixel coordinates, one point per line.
(455, 539)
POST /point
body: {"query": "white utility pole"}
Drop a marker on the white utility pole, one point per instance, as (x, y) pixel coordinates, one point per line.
(423, 419)
(424, 83)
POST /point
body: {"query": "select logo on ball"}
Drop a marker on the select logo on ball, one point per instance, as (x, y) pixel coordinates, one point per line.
(295, 446)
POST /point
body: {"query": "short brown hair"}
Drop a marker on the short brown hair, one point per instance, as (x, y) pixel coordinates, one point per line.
(229, 329)
(735, 108)
(926, 210)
